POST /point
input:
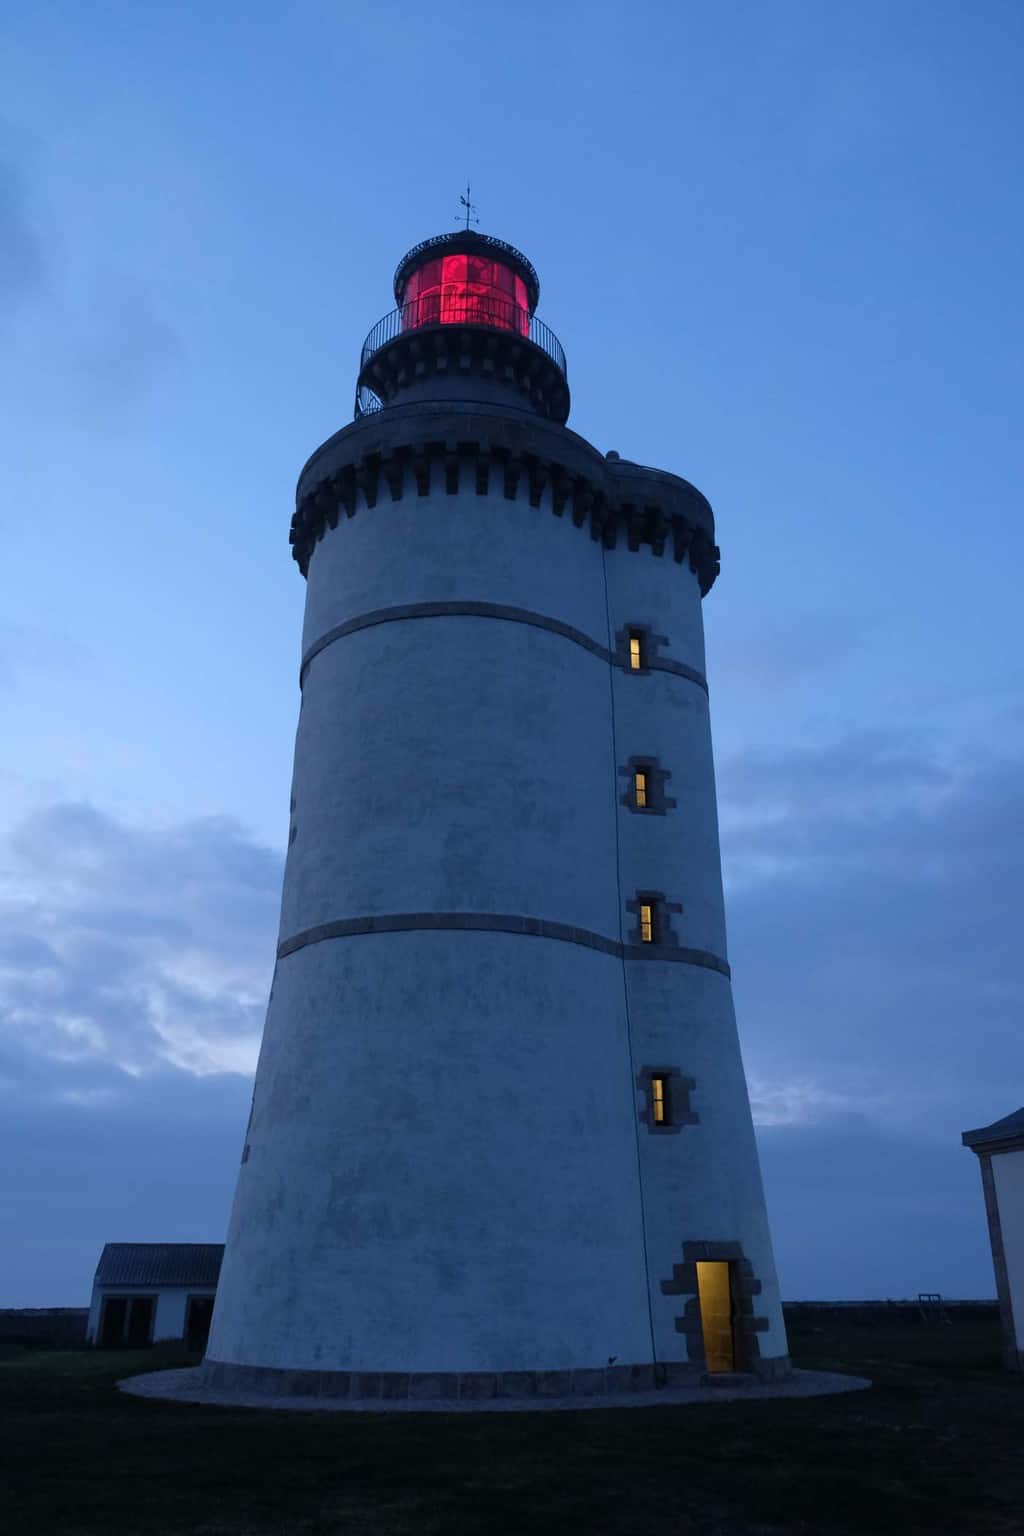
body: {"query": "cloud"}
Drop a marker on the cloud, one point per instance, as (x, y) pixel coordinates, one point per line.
(874, 894)
(30, 650)
(764, 649)
(134, 968)
(23, 268)
(98, 330)
(859, 1212)
(129, 951)
(874, 888)
(123, 344)
(91, 1165)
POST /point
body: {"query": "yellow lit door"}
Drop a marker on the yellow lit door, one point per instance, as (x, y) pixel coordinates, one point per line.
(716, 1315)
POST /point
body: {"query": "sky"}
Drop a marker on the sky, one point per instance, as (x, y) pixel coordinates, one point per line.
(782, 245)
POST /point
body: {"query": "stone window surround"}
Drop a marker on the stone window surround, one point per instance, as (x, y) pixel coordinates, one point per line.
(657, 800)
(665, 936)
(745, 1286)
(679, 1089)
(650, 645)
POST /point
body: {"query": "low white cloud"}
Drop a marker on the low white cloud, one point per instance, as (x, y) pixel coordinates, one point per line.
(874, 938)
(874, 892)
(133, 950)
(796, 1101)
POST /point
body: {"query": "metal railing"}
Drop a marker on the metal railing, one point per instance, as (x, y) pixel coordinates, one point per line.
(366, 402)
(476, 309)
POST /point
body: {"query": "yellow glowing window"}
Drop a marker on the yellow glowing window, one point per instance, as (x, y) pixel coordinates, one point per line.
(659, 1100)
(640, 788)
(646, 923)
(636, 657)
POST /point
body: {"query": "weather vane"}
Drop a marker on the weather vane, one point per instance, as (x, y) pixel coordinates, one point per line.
(470, 208)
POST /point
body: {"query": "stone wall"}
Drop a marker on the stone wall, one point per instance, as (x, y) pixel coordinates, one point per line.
(53, 1327)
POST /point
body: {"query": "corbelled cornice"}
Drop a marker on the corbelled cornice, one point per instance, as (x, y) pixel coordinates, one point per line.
(417, 451)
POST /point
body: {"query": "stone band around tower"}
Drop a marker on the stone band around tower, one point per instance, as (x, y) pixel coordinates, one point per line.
(503, 612)
(426, 446)
(498, 922)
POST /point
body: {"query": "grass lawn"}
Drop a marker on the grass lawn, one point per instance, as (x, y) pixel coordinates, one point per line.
(936, 1446)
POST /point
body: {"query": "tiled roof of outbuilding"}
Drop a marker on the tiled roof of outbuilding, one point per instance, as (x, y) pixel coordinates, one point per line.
(1010, 1128)
(159, 1264)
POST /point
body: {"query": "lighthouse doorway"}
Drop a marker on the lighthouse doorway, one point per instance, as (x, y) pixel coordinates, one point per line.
(715, 1290)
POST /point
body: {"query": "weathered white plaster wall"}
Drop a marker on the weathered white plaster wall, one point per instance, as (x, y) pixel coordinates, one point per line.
(445, 1170)
(169, 1322)
(435, 548)
(468, 770)
(646, 589)
(1008, 1176)
(442, 1168)
(93, 1324)
(703, 1183)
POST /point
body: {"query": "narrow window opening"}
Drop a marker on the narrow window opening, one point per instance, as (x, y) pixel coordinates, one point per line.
(636, 650)
(660, 1105)
(646, 922)
(640, 789)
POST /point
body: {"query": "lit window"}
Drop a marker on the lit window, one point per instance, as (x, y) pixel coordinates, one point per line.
(640, 789)
(646, 923)
(659, 1100)
(636, 651)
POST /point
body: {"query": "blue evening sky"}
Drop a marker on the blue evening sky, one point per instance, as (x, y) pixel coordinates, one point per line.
(782, 246)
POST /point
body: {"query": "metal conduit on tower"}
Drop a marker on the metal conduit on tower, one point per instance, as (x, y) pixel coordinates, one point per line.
(500, 1139)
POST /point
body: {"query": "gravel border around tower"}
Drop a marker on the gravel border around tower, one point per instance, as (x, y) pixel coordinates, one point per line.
(186, 1386)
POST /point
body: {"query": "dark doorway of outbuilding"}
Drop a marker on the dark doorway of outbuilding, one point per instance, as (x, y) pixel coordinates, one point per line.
(198, 1316)
(126, 1320)
(115, 1310)
(140, 1320)
(715, 1287)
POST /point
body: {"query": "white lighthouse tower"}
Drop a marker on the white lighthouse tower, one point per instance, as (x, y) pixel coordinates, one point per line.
(500, 1140)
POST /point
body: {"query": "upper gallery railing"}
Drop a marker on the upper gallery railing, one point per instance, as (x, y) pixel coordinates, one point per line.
(463, 309)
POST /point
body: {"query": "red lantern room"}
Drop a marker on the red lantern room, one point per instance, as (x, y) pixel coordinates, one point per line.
(466, 306)
(466, 279)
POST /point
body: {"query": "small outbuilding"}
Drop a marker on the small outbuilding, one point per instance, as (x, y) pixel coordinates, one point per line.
(1000, 1151)
(149, 1292)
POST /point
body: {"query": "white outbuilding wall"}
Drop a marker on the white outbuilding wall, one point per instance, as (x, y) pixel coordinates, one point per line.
(169, 1313)
(1008, 1177)
(999, 1148)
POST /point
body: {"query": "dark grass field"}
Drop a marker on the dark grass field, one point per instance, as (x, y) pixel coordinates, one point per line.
(936, 1446)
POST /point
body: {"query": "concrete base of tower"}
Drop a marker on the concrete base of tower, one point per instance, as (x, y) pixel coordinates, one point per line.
(475, 1391)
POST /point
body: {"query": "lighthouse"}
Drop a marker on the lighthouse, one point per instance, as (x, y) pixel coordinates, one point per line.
(500, 1142)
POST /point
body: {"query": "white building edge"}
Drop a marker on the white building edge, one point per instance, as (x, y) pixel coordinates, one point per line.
(999, 1148)
(500, 1137)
